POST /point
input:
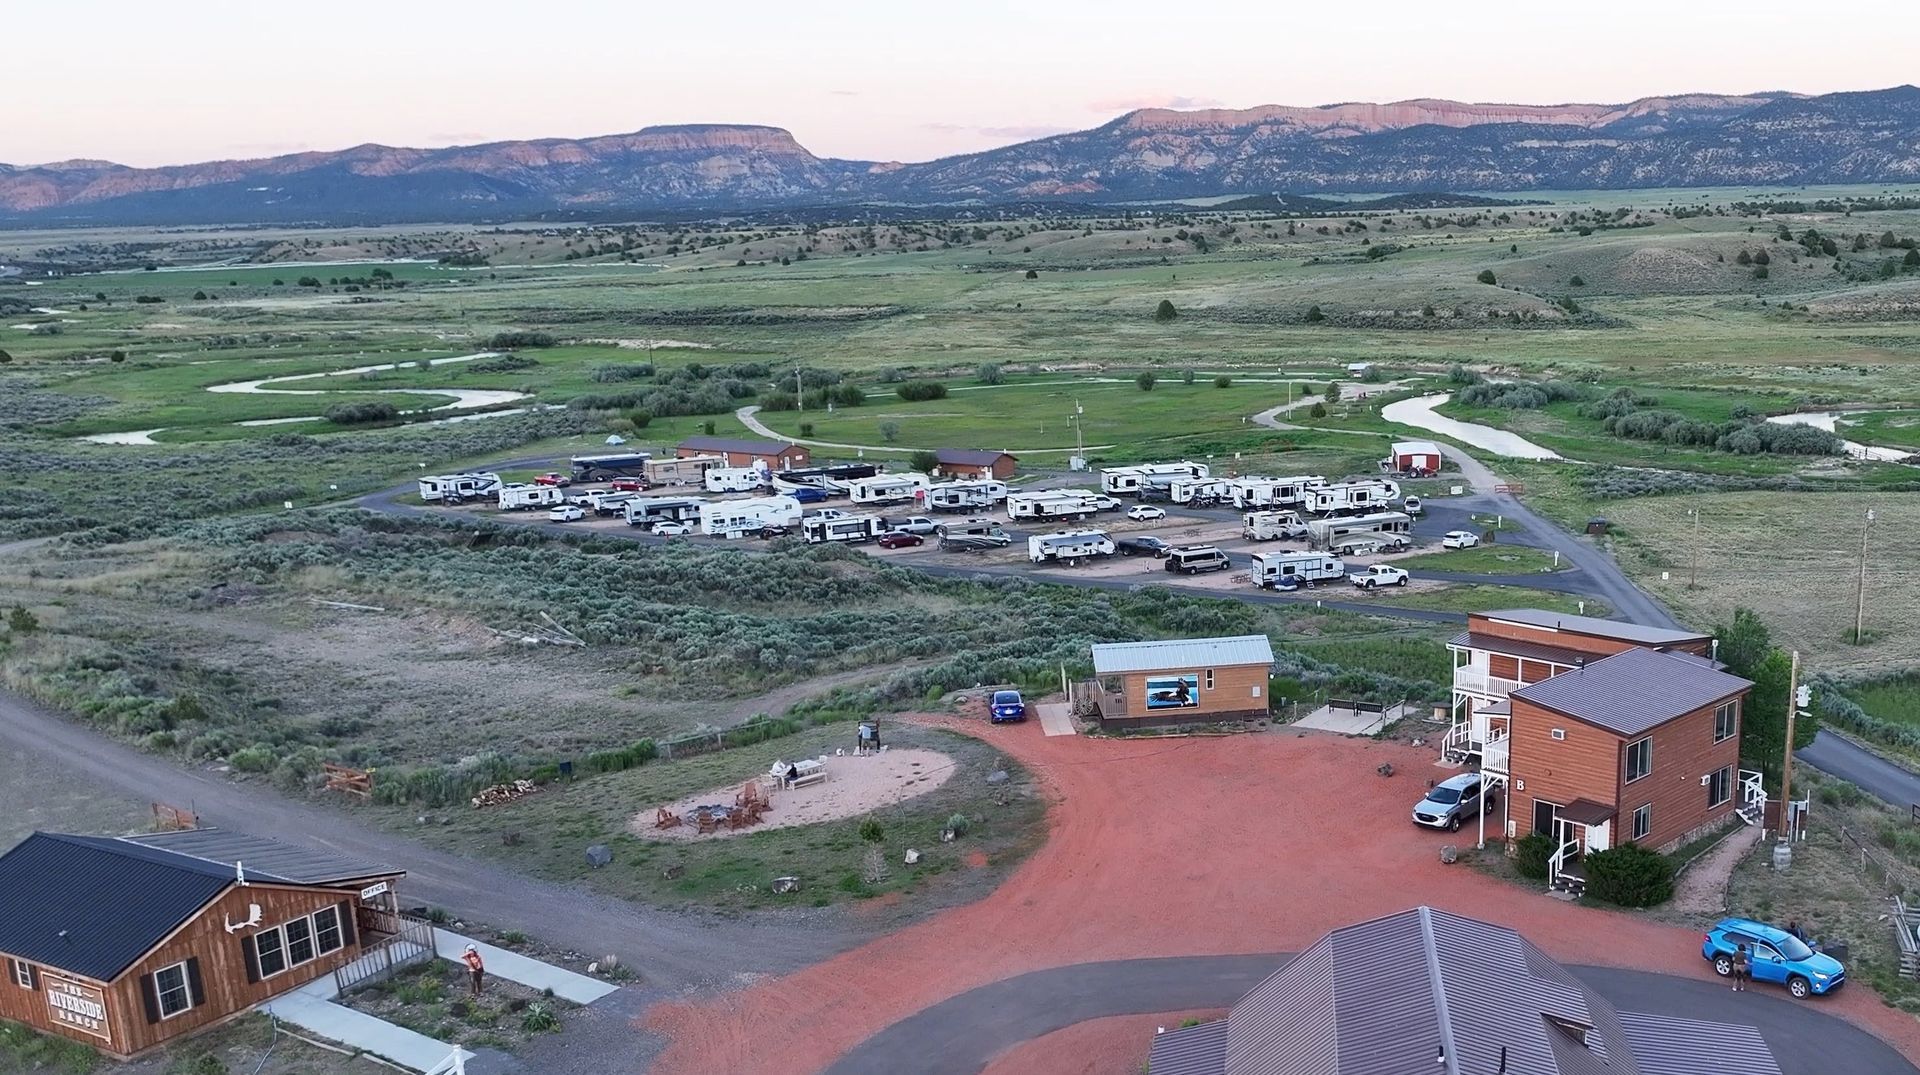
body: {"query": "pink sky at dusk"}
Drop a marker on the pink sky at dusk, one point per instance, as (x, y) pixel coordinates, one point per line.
(149, 84)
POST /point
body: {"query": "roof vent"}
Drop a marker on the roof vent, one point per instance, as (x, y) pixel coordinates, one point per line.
(1503, 1060)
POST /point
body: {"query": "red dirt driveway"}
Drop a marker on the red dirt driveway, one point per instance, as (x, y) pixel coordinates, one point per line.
(1167, 847)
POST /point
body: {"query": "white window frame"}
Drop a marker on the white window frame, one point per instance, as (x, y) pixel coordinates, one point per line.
(286, 931)
(160, 991)
(1731, 709)
(1209, 679)
(22, 973)
(1647, 741)
(282, 947)
(320, 947)
(1720, 782)
(1643, 811)
(279, 950)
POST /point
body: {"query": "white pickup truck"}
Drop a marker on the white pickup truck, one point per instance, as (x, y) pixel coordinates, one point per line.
(1378, 575)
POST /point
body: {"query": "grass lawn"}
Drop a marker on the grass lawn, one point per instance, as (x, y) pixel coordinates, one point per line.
(1483, 560)
(1479, 597)
(1892, 429)
(1890, 699)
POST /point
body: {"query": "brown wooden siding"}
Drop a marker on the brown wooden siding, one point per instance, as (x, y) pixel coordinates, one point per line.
(1583, 765)
(1573, 640)
(1234, 691)
(1683, 752)
(1501, 666)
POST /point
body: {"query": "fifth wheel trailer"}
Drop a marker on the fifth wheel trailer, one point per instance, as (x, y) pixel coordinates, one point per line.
(965, 495)
(748, 515)
(1052, 504)
(850, 528)
(644, 511)
(1368, 494)
(1071, 546)
(1288, 492)
(1199, 491)
(454, 488)
(1275, 570)
(1322, 533)
(522, 497)
(1117, 480)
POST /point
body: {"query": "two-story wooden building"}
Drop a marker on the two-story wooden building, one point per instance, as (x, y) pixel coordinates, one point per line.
(125, 943)
(1180, 681)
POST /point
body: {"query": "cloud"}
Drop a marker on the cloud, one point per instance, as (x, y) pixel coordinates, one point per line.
(845, 93)
(1015, 132)
(1163, 100)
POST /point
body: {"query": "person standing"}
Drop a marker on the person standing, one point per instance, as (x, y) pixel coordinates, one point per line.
(1742, 968)
(475, 967)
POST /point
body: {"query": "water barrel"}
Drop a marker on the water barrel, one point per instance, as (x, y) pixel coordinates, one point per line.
(1782, 855)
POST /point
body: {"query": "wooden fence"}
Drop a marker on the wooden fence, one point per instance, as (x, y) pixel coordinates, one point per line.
(1903, 932)
(172, 818)
(352, 781)
(1872, 861)
(414, 943)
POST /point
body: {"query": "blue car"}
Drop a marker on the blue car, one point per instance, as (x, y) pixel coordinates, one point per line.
(1007, 705)
(1775, 956)
(806, 495)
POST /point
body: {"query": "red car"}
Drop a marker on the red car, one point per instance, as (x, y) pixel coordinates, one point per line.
(899, 539)
(627, 485)
(553, 478)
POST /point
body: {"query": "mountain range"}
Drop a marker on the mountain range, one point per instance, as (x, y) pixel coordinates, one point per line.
(1772, 139)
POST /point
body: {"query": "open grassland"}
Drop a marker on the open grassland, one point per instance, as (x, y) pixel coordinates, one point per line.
(1894, 699)
(1482, 560)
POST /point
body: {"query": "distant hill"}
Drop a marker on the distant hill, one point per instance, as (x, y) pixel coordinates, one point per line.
(1149, 155)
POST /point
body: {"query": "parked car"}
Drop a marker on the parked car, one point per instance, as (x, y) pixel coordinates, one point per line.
(1378, 575)
(1146, 545)
(770, 531)
(1143, 513)
(567, 513)
(1008, 705)
(1193, 559)
(915, 524)
(1103, 502)
(1450, 802)
(585, 499)
(826, 513)
(1774, 955)
(628, 485)
(807, 494)
(1460, 539)
(672, 528)
(899, 539)
(553, 478)
(1411, 505)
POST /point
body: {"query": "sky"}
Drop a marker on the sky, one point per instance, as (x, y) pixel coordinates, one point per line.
(145, 83)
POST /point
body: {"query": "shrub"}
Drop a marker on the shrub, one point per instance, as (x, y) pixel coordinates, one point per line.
(1461, 375)
(806, 429)
(1223, 381)
(779, 401)
(958, 824)
(1318, 410)
(22, 622)
(539, 1019)
(1519, 395)
(871, 830)
(923, 461)
(508, 341)
(614, 374)
(1146, 380)
(1841, 793)
(640, 417)
(1031, 275)
(1486, 276)
(921, 391)
(990, 373)
(889, 431)
(1314, 314)
(258, 758)
(1187, 375)
(1165, 311)
(1630, 875)
(349, 414)
(847, 395)
(501, 364)
(1531, 853)
(1577, 281)
(707, 428)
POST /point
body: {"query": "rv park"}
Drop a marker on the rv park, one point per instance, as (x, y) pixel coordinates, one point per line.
(644, 618)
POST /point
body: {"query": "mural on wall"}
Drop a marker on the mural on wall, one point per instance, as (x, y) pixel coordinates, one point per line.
(1180, 691)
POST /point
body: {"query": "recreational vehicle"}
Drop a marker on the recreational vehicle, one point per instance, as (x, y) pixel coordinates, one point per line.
(1369, 494)
(454, 488)
(851, 528)
(1285, 570)
(1199, 492)
(887, 488)
(1131, 480)
(1273, 492)
(965, 495)
(735, 479)
(1069, 546)
(608, 502)
(974, 535)
(831, 480)
(644, 511)
(1194, 559)
(1324, 533)
(522, 497)
(749, 515)
(600, 468)
(1272, 525)
(1050, 504)
(689, 471)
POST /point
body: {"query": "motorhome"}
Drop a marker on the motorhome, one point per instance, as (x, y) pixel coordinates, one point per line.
(974, 535)
(850, 528)
(965, 495)
(608, 502)
(522, 497)
(1285, 492)
(454, 488)
(1069, 546)
(1285, 570)
(1324, 533)
(644, 511)
(1199, 492)
(1272, 525)
(832, 479)
(689, 471)
(600, 468)
(748, 515)
(1131, 480)
(888, 488)
(734, 479)
(1050, 504)
(1343, 498)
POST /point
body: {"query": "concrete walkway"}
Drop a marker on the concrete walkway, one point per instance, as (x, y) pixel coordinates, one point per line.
(311, 1007)
(1056, 718)
(1348, 722)
(532, 973)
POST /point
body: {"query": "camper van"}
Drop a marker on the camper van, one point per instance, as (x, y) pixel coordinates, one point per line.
(1199, 492)
(1120, 481)
(1286, 570)
(848, 528)
(644, 511)
(1069, 546)
(965, 495)
(1194, 559)
(1325, 533)
(455, 488)
(974, 535)
(734, 479)
(888, 488)
(522, 497)
(1346, 498)
(600, 468)
(749, 515)
(1272, 525)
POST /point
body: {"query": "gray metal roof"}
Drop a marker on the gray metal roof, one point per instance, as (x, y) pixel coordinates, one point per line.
(303, 865)
(1634, 690)
(739, 444)
(1111, 658)
(1669, 1046)
(969, 457)
(1193, 1050)
(1593, 625)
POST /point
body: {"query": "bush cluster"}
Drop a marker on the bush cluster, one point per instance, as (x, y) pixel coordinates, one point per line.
(1532, 853)
(1519, 395)
(615, 373)
(502, 364)
(921, 391)
(512, 340)
(1742, 437)
(348, 414)
(1630, 876)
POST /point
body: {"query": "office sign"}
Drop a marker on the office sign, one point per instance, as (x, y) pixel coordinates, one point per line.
(373, 890)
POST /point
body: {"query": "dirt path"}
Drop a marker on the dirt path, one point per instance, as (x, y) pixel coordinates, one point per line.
(1702, 889)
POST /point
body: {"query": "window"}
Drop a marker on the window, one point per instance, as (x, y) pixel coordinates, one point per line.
(1726, 721)
(22, 973)
(326, 929)
(272, 951)
(170, 989)
(1559, 734)
(1643, 821)
(1639, 759)
(1209, 679)
(299, 941)
(1719, 786)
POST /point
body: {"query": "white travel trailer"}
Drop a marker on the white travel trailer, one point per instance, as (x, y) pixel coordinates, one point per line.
(974, 535)
(1050, 504)
(644, 511)
(1272, 525)
(1285, 492)
(1285, 570)
(1199, 491)
(609, 502)
(965, 495)
(735, 479)
(888, 488)
(1069, 546)
(1366, 495)
(458, 487)
(849, 528)
(727, 517)
(1323, 533)
(688, 471)
(1131, 480)
(522, 497)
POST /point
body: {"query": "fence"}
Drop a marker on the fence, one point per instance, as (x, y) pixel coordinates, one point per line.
(1903, 932)
(413, 943)
(1891, 876)
(172, 818)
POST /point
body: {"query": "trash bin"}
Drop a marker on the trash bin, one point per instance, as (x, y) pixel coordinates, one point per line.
(1836, 949)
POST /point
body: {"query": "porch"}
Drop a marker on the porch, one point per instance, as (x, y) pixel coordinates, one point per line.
(1579, 828)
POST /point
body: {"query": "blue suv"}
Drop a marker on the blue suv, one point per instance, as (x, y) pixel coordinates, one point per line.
(1007, 705)
(1775, 956)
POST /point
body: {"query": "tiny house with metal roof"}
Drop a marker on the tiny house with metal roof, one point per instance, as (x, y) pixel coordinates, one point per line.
(1179, 681)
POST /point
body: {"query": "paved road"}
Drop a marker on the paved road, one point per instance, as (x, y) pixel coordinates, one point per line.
(960, 1035)
(1875, 775)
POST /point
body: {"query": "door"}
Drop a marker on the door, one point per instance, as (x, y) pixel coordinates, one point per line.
(1767, 964)
(1470, 799)
(1543, 812)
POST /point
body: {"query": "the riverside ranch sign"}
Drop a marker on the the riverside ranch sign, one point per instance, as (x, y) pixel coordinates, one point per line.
(77, 1004)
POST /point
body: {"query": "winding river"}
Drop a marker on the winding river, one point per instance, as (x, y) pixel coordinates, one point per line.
(1421, 412)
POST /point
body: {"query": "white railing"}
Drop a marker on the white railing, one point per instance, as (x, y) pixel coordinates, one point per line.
(1495, 753)
(1559, 859)
(1458, 739)
(1479, 681)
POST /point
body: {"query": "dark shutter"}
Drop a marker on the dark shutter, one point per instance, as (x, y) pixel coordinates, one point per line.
(347, 932)
(195, 989)
(250, 953)
(149, 998)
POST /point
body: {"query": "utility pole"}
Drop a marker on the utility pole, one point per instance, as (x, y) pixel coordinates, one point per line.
(1786, 765)
(799, 394)
(1693, 568)
(1860, 592)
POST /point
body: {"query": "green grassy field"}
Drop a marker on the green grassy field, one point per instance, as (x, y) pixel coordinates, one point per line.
(1480, 597)
(1482, 560)
(1895, 699)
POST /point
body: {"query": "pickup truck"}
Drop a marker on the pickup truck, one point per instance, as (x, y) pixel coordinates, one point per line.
(1378, 575)
(914, 524)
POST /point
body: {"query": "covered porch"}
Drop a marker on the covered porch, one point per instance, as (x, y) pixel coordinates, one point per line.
(1579, 828)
